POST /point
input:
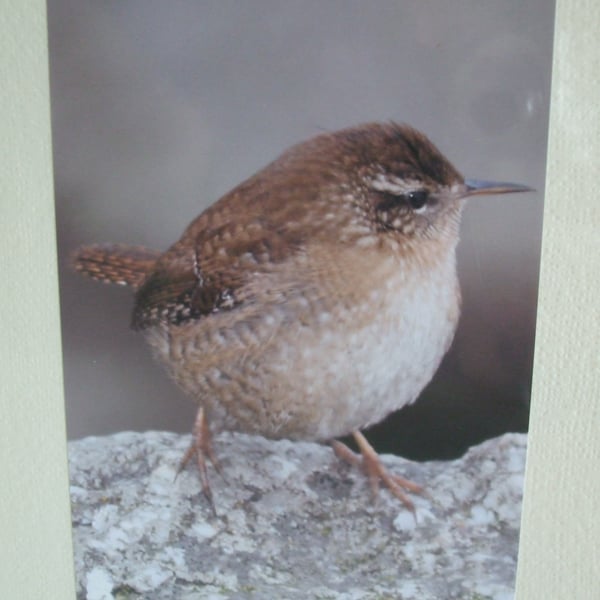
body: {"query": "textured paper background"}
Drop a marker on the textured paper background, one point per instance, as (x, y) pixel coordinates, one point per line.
(560, 529)
(560, 534)
(35, 539)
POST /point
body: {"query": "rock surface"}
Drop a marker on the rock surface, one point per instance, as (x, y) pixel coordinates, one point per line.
(292, 522)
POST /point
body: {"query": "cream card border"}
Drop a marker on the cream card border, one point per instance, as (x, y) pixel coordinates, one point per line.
(559, 547)
(560, 533)
(35, 538)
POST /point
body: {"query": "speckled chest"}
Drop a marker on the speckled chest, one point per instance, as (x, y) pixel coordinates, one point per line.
(377, 356)
(307, 369)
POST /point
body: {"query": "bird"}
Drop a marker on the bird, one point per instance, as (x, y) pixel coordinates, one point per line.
(313, 299)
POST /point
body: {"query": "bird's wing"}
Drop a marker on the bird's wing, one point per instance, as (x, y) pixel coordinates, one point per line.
(208, 269)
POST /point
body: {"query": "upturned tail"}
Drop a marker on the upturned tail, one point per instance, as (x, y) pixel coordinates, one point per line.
(115, 263)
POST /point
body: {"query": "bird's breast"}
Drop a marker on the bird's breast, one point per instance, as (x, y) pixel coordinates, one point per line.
(319, 361)
(376, 356)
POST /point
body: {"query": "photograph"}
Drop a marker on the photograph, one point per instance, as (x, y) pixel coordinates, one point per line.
(322, 222)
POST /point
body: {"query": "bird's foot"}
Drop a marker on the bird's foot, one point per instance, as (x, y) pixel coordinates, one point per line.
(376, 472)
(201, 448)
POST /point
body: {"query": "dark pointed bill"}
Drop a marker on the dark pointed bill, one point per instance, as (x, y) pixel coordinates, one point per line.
(477, 187)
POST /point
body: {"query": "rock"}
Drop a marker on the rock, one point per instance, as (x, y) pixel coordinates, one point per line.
(292, 522)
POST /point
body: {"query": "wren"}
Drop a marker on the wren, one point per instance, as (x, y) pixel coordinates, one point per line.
(315, 298)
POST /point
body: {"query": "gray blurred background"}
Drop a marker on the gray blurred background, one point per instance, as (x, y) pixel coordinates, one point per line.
(159, 108)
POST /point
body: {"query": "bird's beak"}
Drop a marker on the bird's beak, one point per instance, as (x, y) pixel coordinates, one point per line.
(476, 187)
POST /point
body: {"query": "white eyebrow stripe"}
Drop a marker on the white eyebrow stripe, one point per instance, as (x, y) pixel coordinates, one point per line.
(393, 185)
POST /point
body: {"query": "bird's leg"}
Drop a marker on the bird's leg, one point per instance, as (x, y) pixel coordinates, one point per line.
(376, 472)
(201, 447)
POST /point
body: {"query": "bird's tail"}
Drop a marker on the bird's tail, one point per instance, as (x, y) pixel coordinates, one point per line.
(115, 263)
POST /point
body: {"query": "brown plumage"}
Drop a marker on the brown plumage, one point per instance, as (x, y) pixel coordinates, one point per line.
(115, 263)
(314, 298)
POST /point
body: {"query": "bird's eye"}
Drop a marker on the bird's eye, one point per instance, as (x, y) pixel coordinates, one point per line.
(417, 199)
